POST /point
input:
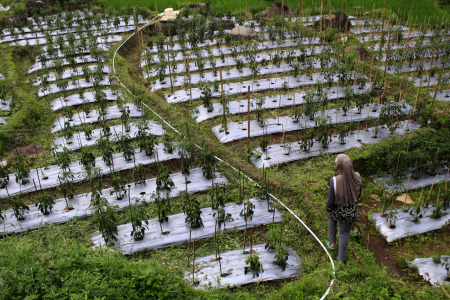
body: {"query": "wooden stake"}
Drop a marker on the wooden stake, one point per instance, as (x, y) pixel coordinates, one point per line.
(223, 103)
(248, 112)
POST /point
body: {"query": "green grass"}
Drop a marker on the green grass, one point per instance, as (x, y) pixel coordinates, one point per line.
(422, 9)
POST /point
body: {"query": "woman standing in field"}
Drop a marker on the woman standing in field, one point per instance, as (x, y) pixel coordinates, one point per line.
(344, 192)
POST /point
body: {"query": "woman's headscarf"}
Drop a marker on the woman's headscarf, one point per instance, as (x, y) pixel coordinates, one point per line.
(348, 183)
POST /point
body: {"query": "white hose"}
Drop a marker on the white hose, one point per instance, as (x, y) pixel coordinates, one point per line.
(225, 162)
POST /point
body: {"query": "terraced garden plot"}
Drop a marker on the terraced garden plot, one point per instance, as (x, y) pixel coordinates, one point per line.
(81, 204)
(177, 231)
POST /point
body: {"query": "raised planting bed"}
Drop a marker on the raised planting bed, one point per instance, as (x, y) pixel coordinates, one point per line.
(415, 183)
(404, 225)
(49, 177)
(69, 73)
(427, 80)
(177, 231)
(435, 273)
(42, 41)
(79, 139)
(88, 97)
(81, 204)
(236, 88)
(413, 67)
(207, 269)
(71, 86)
(112, 112)
(228, 61)
(65, 62)
(239, 130)
(443, 95)
(5, 104)
(283, 153)
(233, 74)
(201, 113)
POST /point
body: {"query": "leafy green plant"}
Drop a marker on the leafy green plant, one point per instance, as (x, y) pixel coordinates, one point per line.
(138, 219)
(45, 203)
(324, 130)
(22, 170)
(139, 174)
(254, 265)
(281, 256)
(87, 159)
(119, 186)
(4, 177)
(193, 213)
(206, 95)
(105, 218)
(222, 217)
(18, 207)
(208, 162)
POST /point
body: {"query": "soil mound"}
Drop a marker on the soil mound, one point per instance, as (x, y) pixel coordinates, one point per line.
(198, 5)
(336, 20)
(277, 9)
(362, 53)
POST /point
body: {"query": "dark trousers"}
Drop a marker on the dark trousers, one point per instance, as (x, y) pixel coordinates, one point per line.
(344, 236)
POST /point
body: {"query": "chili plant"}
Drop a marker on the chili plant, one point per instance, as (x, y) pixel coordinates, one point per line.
(119, 186)
(208, 162)
(139, 174)
(253, 265)
(281, 256)
(45, 203)
(18, 207)
(138, 219)
(105, 218)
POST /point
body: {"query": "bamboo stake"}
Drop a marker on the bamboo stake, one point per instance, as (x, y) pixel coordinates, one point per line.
(223, 103)
(407, 190)
(429, 193)
(248, 112)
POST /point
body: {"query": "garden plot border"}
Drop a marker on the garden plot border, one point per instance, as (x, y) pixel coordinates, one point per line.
(276, 153)
(5, 105)
(112, 112)
(235, 88)
(34, 219)
(431, 272)
(443, 95)
(233, 74)
(80, 83)
(271, 102)
(69, 73)
(404, 226)
(52, 173)
(79, 139)
(88, 97)
(239, 130)
(179, 231)
(208, 270)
